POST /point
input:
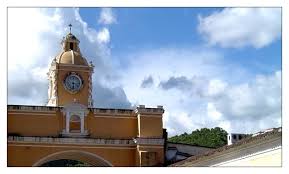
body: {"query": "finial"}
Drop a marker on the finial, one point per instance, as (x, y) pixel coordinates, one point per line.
(70, 28)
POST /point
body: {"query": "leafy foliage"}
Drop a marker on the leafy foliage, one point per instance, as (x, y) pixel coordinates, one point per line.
(214, 137)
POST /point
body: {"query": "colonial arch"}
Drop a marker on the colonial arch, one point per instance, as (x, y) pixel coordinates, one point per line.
(89, 158)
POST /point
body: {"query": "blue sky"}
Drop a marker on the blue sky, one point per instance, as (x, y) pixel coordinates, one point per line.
(208, 67)
(139, 28)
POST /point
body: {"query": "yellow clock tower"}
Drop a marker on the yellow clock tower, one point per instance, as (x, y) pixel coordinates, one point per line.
(71, 129)
(70, 75)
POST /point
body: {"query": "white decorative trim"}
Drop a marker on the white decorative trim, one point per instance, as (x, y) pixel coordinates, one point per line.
(149, 112)
(114, 112)
(73, 69)
(74, 141)
(52, 90)
(75, 65)
(150, 146)
(91, 158)
(29, 113)
(74, 109)
(81, 147)
(149, 141)
(23, 108)
(150, 115)
(114, 116)
(90, 100)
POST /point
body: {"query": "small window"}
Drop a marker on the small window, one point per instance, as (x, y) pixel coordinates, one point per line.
(71, 46)
(240, 137)
(234, 137)
(229, 137)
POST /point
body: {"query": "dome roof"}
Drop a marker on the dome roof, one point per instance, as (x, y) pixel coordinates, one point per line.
(71, 57)
(70, 37)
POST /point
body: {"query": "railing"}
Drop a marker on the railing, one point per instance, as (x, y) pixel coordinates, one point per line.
(111, 112)
(149, 141)
(31, 108)
(90, 141)
(156, 111)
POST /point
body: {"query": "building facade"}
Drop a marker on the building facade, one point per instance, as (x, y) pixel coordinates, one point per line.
(234, 137)
(69, 128)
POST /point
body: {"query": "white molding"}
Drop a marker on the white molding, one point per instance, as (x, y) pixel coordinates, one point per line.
(97, 159)
(150, 146)
(149, 141)
(72, 141)
(74, 109)
(101, 146)
(114, 116)
(73, 69)
(29, 113)
(151, 115)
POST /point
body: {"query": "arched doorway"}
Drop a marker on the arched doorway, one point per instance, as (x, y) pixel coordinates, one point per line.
(65, 163)
(75, 124)
(82, 157)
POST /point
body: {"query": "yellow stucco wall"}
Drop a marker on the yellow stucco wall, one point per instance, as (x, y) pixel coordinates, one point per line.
(109, 127)
(29, 154)
(34, 124)
(115, 127)
(150, 126)
(100, 123)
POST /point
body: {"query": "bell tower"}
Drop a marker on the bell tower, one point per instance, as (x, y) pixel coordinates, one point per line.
(70, 76)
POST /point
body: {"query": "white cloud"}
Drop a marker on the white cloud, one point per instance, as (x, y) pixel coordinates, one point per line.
(253, 100)
(216, 87)
(212, 112)
(103, 36)
(214, 98)
(107, 16)
(34, 37)
(240, 27)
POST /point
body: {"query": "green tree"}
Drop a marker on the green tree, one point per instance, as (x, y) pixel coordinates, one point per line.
(214, 137)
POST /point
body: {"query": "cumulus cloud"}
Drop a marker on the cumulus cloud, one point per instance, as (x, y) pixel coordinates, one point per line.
(212, 97)
(240, 27)
(147, 82)
(107, 16)
(32, 48)
(253, 100)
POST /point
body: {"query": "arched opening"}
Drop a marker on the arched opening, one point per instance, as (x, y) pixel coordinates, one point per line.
(71, 45)
(75, 124)
(65, 163)
(72, 158)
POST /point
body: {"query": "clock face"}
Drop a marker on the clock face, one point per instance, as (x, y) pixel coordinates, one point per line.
(73, 83)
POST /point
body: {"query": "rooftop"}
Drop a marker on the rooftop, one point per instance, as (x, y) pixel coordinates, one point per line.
(261, 137)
